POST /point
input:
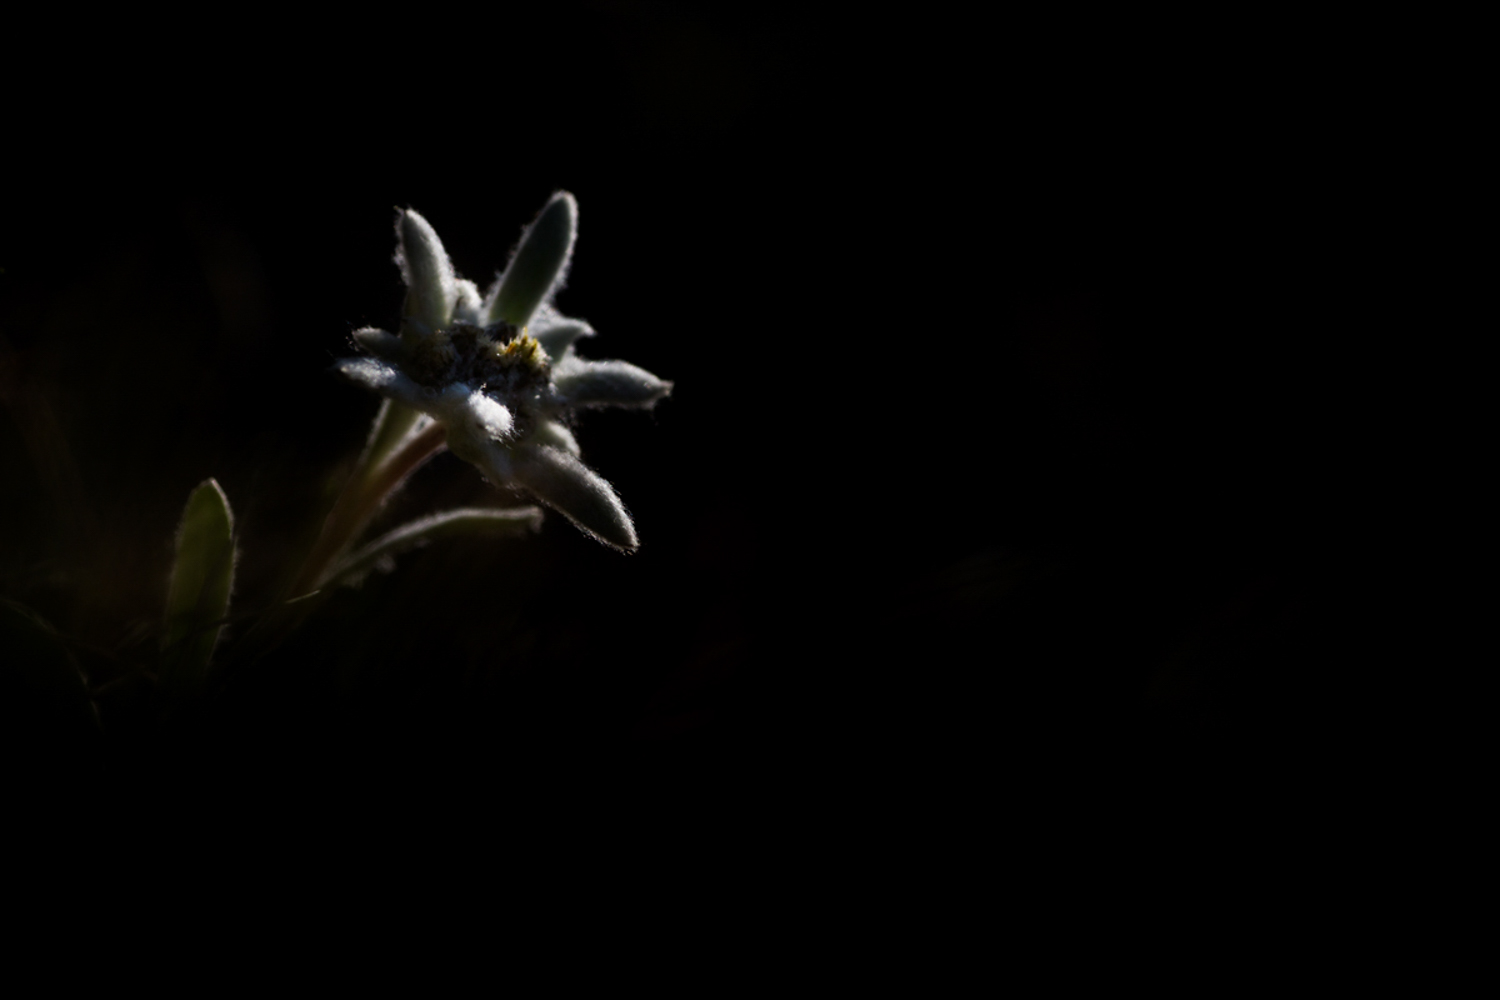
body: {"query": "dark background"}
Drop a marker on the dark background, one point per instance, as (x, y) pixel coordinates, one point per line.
(1008, 462)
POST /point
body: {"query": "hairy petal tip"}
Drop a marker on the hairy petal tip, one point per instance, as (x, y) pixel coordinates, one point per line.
(431, 286)
(564, 483)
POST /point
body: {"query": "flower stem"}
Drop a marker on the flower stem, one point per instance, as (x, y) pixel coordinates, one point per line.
(361, 498)
(368, 488)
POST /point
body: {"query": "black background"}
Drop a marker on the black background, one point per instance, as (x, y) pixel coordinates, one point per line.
(1007, 469)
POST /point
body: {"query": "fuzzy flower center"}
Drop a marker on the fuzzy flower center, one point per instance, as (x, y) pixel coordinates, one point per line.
(506, 361)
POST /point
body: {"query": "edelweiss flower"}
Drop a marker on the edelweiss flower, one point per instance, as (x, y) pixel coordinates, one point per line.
(499, 371)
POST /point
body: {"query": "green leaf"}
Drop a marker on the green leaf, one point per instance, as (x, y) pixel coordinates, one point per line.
(464, 523)
(41, 688)
(202, 578)
(538, 265)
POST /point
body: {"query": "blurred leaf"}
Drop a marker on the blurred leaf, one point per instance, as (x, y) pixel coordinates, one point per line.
(41, 686)
(202, 578)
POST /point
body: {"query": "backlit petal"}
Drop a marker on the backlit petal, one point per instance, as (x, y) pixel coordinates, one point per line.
(386, 380)
(567, 485)
(431, 286)
(608, 383)
(540, 264)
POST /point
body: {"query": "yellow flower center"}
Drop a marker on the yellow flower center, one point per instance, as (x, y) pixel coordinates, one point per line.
(523, 351)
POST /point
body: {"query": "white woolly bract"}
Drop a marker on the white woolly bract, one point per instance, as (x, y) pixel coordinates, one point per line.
(550, 432)
(568, 486)
(556, 332)
(608, 383)
(539, 267)
(492, 416)
(483, 384)
(464, 408)
(379, 343)
(384, 379)
(432, 289)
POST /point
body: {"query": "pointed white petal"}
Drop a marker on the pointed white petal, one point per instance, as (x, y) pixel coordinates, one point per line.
(539, 266)
(386, 380)
(608, 383)
(383, 345)
(576, 491)
(431, 286)
(556, 332)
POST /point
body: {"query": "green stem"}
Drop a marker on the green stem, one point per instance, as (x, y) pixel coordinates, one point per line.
(368, 488)
(362, 497)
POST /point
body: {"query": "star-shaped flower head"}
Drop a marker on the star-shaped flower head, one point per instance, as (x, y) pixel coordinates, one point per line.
(499, 371)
